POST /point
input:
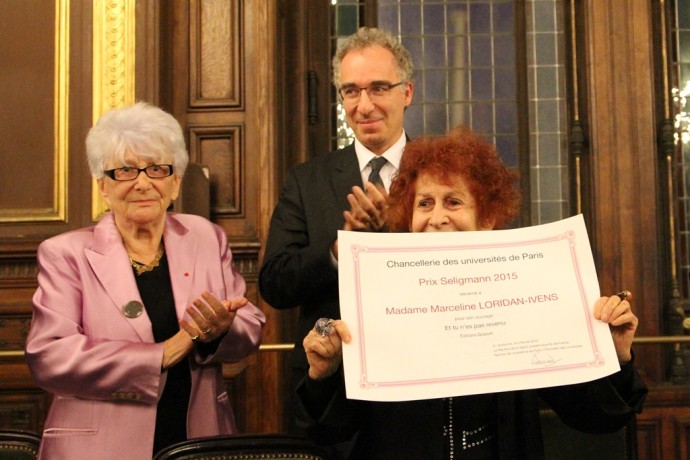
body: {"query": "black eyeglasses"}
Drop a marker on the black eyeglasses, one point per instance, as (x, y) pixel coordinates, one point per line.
(130, 173)
(351, 93)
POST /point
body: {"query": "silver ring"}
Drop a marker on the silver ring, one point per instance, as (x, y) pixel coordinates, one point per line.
(195, 338)
(206, 331)
(623, 295)
(324, 326)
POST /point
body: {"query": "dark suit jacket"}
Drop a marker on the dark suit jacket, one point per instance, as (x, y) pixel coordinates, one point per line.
(297, 268)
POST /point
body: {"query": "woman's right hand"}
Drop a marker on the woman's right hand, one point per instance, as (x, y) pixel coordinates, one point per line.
(325, 353)
(211, 318)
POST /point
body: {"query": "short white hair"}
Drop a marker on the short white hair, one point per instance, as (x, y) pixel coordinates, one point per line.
(143, 130)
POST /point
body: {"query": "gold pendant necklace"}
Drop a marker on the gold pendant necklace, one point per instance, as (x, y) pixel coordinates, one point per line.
(143, 268)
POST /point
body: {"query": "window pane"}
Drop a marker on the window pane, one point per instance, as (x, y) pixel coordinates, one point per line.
(466, 72)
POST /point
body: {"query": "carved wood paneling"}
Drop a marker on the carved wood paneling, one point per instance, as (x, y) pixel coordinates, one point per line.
(216, 63)
(663, 433)
(24, 411)
(682, 429)
(18, 272)
(13, 332)
(208, 54)
(624, 222)
(649, 435)
(663, 425)
(220, 149)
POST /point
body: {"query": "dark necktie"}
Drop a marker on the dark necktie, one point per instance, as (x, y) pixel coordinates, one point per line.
(376, 165)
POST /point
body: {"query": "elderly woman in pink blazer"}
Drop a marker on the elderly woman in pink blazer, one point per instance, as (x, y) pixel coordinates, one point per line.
(134, 316)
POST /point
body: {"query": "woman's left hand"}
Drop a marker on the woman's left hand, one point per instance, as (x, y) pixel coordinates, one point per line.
(211, 317)
(622, 321)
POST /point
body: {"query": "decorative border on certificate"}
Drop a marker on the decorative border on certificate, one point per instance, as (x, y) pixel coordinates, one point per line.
(505, 307)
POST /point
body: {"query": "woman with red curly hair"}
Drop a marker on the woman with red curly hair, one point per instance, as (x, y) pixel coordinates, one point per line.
(456, 183)
(464, 167)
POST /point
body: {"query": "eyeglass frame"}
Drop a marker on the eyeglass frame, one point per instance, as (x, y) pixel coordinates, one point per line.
(389, 86)
(111, 172)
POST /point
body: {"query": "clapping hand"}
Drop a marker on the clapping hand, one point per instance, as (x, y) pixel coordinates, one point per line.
(367, 209)
(211, 317)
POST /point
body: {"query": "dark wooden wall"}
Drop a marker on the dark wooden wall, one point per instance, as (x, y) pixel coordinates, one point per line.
(234, 73)
(210, 63)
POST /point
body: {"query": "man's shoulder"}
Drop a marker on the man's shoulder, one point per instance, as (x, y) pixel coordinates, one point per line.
(327, 159)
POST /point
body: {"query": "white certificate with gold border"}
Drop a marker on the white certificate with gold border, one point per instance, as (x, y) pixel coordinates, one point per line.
(448, 314)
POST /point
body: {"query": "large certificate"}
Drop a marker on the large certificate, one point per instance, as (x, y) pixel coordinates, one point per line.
(448, 314)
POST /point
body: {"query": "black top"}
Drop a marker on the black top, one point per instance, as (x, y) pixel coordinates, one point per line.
(410, 430)
(469, 430)
(157, 294)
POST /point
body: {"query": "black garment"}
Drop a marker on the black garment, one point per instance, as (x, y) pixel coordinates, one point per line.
(171, 417)
(470, 427)
(411, 430)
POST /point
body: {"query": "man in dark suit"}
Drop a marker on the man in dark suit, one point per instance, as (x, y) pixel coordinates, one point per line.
(373, 75)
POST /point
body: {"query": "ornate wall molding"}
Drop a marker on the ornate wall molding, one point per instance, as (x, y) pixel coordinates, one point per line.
(114, 43)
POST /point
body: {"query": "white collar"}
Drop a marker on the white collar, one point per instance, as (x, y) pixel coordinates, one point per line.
(393, 154)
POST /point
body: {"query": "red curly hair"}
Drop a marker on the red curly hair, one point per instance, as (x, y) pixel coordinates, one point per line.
(460, 153)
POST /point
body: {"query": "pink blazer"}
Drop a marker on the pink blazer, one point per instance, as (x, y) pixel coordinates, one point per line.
(104, 368)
